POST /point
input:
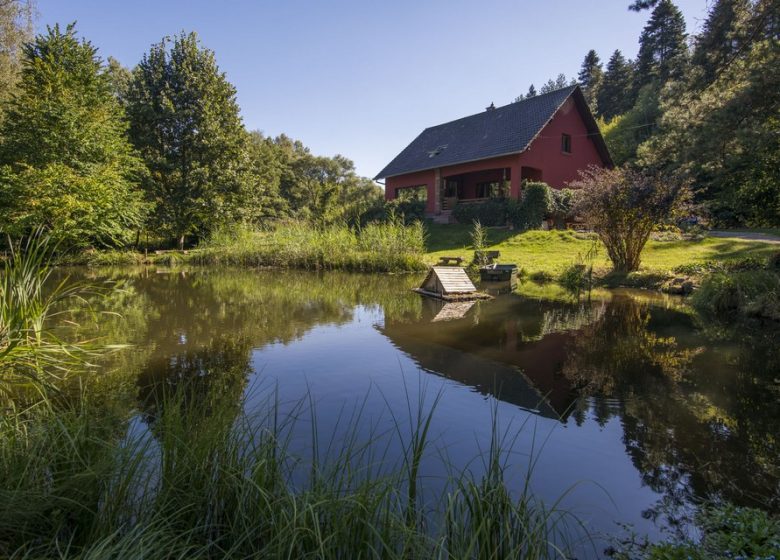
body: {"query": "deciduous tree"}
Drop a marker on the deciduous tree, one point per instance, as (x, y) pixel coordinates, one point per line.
(623, 206)
(66, 162)
(185, 122)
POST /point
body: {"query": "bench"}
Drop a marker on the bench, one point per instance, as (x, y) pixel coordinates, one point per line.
(445, 261)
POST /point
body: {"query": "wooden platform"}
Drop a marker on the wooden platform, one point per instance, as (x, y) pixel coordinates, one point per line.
(453, 297)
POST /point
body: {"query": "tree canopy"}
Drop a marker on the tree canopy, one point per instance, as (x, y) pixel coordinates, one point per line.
(66, 161)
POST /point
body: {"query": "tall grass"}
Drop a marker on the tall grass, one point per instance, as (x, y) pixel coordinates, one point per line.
(210, 485)
(29, 299)
(377, 247)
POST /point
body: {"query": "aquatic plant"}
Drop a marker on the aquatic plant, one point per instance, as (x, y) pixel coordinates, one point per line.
(203, 482)
(377, 247)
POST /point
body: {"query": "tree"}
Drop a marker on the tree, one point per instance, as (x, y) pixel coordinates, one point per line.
(725, 139)
(531, 93)
(16, 17)
(119, 77)
(66, 162)
(639, 5)
(590, 77)
(662, 48)
(185, 122)
(724, 35)
(623, 206)
(614, 97)
(558, 83)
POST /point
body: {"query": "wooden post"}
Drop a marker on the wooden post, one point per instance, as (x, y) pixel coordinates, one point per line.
(438, 190)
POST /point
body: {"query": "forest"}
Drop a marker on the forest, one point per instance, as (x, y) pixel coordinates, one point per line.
(102, 155)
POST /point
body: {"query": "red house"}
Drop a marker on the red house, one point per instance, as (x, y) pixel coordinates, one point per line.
(547, 138)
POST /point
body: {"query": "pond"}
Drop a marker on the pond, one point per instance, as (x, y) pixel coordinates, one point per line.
(627, 407)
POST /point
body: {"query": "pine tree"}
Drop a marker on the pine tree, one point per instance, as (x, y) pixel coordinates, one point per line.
(615, 94)
(558, 83)
(66, 162)
(724, 34)
(531, 93)
(590, 77)
(185, 122)
(662, 48)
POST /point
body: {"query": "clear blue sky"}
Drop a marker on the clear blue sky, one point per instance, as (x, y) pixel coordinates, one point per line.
(363, 78)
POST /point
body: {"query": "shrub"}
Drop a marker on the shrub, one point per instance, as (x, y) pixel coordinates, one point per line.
(752, 292)
(562, 205)
(409, 211)
(623, 206)
(492, 212)
(727, 531)
(535, 204)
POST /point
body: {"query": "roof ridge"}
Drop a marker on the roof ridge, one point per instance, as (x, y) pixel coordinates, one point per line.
(511, 104)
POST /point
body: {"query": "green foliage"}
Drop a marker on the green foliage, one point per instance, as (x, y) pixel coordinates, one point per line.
(490, 213)
(728, 532)
(479, 242)
(662, 48)
(65, 161)
(623, 206)
(615, 96)
(29, 300)
(185, 122)
(208, 481)
(752, 293)
(590, 78)
(409, 211)
(380, 247)
(563, 203)
(16, 26)
(533, 207)
(724, 138)
(625, 133)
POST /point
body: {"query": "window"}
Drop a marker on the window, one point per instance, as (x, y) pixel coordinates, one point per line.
(489, 190)
(566, 143)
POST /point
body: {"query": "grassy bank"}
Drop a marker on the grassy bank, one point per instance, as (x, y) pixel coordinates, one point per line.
(551, 252)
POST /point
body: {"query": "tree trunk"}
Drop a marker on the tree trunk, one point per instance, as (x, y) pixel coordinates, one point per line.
(181, 242)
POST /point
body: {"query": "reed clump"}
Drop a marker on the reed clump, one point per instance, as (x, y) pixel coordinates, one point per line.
(219, 485)
(377, 247)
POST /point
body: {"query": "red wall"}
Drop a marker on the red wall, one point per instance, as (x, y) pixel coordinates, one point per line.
(544, 153)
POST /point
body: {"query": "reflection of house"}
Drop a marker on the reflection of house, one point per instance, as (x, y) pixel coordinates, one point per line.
(548, 138)
(504, 348)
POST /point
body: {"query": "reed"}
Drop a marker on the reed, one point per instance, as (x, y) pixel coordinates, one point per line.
(378, 247)
(211, 482)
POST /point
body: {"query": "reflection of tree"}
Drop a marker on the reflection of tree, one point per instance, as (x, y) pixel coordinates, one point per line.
(692, 432)
(206, 384)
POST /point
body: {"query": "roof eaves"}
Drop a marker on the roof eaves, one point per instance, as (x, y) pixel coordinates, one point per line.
(513, 152)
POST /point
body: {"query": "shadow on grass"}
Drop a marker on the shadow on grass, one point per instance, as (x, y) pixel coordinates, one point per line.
(443, 237)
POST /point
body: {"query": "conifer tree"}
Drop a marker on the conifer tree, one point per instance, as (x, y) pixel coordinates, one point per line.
(615, 94)
(590, 77)
(185, 122)
(65, 162)
(724, 34)
(662, 48)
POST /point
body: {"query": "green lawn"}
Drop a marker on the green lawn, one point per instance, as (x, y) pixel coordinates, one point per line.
(553, 251)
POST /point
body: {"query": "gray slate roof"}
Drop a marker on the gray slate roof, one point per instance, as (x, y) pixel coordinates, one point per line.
(504, 130)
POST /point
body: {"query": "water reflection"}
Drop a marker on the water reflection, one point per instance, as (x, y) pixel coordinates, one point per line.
(696, 407)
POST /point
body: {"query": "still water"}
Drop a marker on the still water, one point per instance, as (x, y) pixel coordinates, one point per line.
(628, 407)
